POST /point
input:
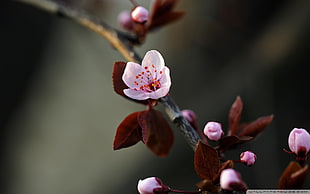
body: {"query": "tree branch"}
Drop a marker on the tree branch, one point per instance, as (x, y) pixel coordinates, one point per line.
(121, 43)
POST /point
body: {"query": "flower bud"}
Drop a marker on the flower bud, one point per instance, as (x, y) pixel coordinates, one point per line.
(125, 21)
(213, 130)
(231, 180)
(299, 143)
(148, 185)
(191, 117)
(248, 158)
(140, 14)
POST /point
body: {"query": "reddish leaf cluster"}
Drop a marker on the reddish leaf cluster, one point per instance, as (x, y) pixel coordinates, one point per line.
(148, 126)
(207, 161)
(240, 133)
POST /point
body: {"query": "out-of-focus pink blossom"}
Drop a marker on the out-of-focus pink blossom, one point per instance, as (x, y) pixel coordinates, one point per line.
(125, 21)
(191, 117)
(299, 143)
(151, 80)
(231, 180)
(213, 130)
(140, 14)
(148, 185)
(248, 158)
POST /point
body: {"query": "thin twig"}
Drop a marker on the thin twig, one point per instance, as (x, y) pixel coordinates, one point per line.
(121, 43)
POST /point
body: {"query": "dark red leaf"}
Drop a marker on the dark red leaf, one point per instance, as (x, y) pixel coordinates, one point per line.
(229, 142)
(234, 116)
(154, 8)
(162, 13)
(206, 161)
(161, 7)
(118, 83)
(128, 132)
(293, 176)
(156, 132)
(166, 19)
(254, 128)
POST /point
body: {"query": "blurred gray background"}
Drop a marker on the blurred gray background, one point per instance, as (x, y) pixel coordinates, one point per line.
(59, 112)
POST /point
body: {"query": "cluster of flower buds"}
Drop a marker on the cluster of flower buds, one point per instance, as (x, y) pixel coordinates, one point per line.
(138, 15)
(128, 19)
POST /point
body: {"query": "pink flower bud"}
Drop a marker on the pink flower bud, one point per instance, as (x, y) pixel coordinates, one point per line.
(125, 21)
(231, 180)
(299, 143)
(148, 185)
(140, 14)
(213, 130)
(191, 117)
(248, 158)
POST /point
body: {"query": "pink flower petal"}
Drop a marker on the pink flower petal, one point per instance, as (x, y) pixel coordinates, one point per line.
(153, 57)
(137, 95)
(130, 73)
(165, 79)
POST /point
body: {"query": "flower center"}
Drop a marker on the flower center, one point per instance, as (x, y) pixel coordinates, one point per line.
(147, 80)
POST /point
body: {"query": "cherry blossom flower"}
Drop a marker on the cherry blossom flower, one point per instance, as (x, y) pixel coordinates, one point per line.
(150, 185)
(248, 158)
(213, 130)
(140, 14)
(231, 180)
(151, 80)
(299, 143)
